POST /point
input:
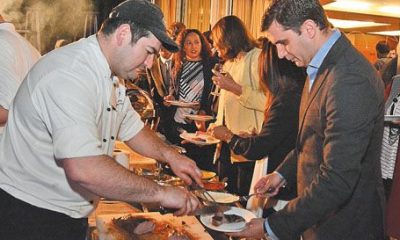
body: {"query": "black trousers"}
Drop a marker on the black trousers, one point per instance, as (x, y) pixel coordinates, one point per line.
(239, 174)
(22, 221)
(202, 155)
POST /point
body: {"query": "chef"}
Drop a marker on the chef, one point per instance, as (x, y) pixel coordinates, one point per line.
(71, 108)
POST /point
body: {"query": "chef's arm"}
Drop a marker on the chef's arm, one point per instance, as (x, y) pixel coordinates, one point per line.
(103, 176)
(148, 144)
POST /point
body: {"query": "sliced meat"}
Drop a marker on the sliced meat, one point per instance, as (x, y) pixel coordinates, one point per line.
(217, 219)
(232, 218)
(144, 227)
(220, 218)
(178, 237)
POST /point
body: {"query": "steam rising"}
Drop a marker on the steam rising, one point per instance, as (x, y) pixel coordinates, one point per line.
(44, 21)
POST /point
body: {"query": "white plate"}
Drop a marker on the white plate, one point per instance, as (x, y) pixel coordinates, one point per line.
(391, 118)
(182, 104)
(199, 117)
(220, 197)
(229, 227)
(199, 139)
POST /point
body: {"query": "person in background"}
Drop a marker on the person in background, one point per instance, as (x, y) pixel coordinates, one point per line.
(175, 28)
(61, 42)
(388, 71)
(390, 156)
(382, 54)
(55, 155)
(335, 163)
(157, 82)
(17, 56)
(241, 102)
(192, 82)
(283, 82)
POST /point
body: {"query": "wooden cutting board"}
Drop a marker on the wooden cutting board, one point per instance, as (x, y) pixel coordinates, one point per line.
(192, 225)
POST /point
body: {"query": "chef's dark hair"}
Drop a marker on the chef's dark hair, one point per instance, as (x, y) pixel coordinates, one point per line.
(111, 24)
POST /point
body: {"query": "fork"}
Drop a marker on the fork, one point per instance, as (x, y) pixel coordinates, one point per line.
(247, 197)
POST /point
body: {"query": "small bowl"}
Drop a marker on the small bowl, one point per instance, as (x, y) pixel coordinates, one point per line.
(214, 185)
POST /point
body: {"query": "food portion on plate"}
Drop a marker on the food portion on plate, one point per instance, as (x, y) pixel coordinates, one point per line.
(146, 226)
(182, 104)
(196, 117)
(233, 220)
(220, 218)
(143, 228)
(199, 138)
(220, 197)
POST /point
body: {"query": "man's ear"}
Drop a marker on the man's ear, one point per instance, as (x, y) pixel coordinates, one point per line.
(309, 27)
(123, 34)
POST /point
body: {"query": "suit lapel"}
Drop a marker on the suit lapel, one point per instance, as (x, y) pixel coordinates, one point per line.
(309, 95)
(158, 79)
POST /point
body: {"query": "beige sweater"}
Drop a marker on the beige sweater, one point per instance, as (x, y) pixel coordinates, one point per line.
(245, 112)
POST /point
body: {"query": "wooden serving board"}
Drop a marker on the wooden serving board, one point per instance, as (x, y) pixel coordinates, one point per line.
(192, 225)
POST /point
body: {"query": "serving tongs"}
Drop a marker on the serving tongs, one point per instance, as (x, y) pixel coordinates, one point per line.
(247, 197)
(212, 206)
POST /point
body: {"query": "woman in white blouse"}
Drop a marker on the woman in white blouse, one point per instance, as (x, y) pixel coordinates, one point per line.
(242, 102)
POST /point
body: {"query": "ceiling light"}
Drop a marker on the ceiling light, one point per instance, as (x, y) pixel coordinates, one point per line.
(387, 33)
(339, 23)
(346, 5)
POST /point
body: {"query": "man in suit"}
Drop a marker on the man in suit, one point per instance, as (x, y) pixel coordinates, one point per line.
(335, 163)
(159, 82)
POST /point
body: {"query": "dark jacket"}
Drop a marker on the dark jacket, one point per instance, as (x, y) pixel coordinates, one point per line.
(336, 161)
(277, 136)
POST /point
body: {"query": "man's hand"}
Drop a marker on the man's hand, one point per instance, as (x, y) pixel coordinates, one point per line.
(185, 168)
(270, 183)
(254, 229)
(178, 198)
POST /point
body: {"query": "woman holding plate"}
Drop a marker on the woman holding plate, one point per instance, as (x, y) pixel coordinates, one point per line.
(283, 82)
(191, 86)
(241, 101)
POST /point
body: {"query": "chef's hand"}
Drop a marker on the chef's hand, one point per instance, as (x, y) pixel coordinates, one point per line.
(227, 83)
(178, 198)
(269, 184)
(184, 167)
(254, 229)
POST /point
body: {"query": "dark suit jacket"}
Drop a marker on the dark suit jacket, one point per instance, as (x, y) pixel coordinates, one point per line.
(152, 81)
(337, 157)
(278, 134)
